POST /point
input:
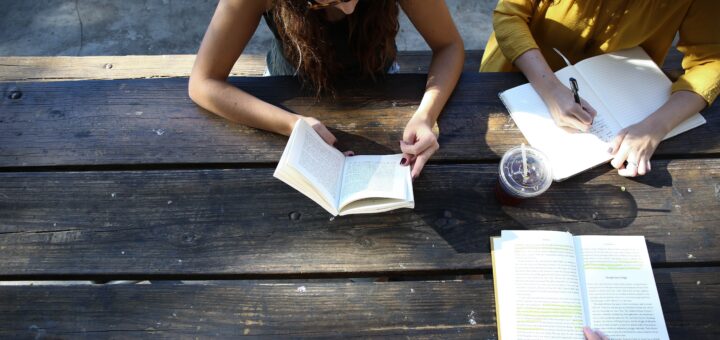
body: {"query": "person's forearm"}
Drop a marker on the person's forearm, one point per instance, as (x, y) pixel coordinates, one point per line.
(681, 106)
(445, 69)
(236, 105)
(537, 71)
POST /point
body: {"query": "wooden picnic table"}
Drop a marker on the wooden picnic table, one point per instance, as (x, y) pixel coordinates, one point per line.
(127, 179)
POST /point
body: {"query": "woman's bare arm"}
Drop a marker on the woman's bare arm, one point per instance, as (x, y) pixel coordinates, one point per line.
(434, 22)
(232, 26)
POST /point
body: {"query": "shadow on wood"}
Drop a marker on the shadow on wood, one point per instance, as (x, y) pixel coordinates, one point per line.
(604, 205)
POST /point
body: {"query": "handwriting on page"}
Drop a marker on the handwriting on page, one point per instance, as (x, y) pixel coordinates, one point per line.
(602, 129)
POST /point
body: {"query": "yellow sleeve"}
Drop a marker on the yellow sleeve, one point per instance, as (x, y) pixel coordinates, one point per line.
(700, 44)
(510, 22)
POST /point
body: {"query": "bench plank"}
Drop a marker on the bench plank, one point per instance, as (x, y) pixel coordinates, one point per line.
(62, 68)
(240, 222)
(179, 65)
(167, 66)
(152, 121)
(457, 309)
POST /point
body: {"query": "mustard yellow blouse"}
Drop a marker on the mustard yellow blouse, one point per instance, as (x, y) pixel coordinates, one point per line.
(585, 28)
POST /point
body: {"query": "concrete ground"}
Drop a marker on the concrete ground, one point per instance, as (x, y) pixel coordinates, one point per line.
(149, 27)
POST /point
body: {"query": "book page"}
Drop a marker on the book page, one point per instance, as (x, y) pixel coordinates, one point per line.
(622, 299)
(538, 290)
(375, 205)
(630, 85)
(317, 161)
(374, 177)
(295, 179)
(570, 152)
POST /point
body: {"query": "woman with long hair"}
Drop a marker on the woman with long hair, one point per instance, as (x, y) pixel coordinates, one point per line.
(321, 42)
(526, 31)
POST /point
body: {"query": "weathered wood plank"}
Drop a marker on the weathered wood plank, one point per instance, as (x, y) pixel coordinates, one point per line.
(232, 309)
(179, 65)
(452, 309)
(162, 66)
(154, 121)
(238, 222)
(684, 295)
(114, 67)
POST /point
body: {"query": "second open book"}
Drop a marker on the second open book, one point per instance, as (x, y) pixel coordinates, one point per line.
(550, 284)
(624, 87)
(343, 185)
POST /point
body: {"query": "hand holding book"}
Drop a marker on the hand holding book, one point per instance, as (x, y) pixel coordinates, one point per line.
(596, 334)
(549, 284)
(343, 185)
(321, 130)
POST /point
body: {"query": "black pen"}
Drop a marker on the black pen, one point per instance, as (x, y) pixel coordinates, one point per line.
(575, 88)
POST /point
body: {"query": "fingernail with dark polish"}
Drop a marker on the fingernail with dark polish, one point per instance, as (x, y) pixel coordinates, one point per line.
(403, 161)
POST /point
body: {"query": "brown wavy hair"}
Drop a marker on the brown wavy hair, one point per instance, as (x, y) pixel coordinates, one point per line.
(373, 27)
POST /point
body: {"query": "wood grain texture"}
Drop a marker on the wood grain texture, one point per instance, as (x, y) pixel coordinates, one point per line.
(450, 309)
(685, 294)
(152, 121)
(61, 68)
(238, 222)
(229, 310)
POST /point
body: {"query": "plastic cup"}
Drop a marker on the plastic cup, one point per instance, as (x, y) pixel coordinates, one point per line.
(514, 184)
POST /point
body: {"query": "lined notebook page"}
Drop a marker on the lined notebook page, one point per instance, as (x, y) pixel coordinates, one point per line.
(631, 86)
(569, 152)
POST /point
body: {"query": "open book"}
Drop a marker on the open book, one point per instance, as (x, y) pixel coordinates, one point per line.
(343, 185)
(624, 87)
(549, 284)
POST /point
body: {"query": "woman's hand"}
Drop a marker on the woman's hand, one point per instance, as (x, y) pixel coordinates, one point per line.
(320, 128)
(433, 21)
(419, 144)
(565, 111)
(559, 99)
(635, 144)
(324, 133)
(594, 334)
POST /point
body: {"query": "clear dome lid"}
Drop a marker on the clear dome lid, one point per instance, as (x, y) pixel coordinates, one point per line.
(525, 180)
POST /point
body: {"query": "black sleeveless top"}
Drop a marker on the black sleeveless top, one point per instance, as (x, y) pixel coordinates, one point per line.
(339, 32)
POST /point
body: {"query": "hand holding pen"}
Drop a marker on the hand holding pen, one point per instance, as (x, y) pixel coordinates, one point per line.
(575, 89)
(579, 114)
(567, 108)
